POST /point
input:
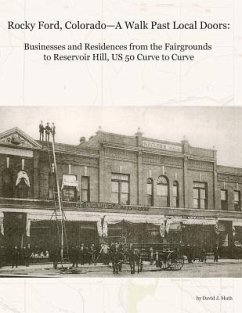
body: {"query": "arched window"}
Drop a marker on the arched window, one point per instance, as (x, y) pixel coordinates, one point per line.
(150, 198)
(163, 190)
(175, 195)
(7, 181)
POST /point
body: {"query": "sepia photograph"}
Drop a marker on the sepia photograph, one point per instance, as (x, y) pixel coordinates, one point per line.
(120, 192)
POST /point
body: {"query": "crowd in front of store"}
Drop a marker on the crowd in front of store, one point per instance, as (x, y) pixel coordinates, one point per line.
(115, 253)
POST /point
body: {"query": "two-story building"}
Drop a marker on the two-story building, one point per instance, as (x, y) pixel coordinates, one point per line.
(116, 187)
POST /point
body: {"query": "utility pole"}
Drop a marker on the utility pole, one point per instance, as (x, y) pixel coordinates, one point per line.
(59, 201)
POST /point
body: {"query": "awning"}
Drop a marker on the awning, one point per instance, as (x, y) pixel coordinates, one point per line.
(70, 181)
(197, 221)
(132, 218)
(22, 175)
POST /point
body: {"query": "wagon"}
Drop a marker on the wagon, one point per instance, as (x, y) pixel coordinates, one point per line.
(162, 256)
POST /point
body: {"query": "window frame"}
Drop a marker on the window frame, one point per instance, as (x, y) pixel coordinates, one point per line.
(176, 201)
(119, 182)
(84, 189)
(224, 203)
(161, 182)
(200, 187)
(237, 202)
(150, 197)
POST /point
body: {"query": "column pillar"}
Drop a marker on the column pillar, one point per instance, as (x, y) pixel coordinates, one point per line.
(139, 168)
(36, 175)
(101, 174)
(185, 172)
(140, 178)
(1, 223)
(215, 182)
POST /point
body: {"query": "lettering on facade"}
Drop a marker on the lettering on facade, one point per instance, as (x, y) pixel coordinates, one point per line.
(115, 206)
(120, 154)
(168, 161)
(200, 165)
(162, 146)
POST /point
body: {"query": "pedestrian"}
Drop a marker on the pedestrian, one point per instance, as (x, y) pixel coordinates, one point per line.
(55, 257)
(105, 253)
(189, 253)
(82, 254)
(151, 255)
(41, 131)
(114, 255)
(47, 132)
(1, 256)
(93, 253)
(26, 255)
(15, 257)
(203, 257)
(215, 252)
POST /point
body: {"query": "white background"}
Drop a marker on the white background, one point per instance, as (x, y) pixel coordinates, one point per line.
(213, 79)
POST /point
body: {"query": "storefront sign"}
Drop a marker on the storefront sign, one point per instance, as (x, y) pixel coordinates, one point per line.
(162, 146)
(112, 206)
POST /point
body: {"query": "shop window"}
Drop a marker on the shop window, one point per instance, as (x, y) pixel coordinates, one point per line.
(224, 199)
(163, 190)
(175, 195)
(7, 181)
(149, 187)
(120, 189)
(199, 195)
(85, 188)
(237, 205)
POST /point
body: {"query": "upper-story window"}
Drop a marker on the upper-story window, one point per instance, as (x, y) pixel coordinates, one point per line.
(237, 204)
(199, 195)
(7, 181)
(120, 187)
(85, 188)
(163, 190)
(149, 186)
(175, 194)
(69, 188)
(22, 185)
(224, 199)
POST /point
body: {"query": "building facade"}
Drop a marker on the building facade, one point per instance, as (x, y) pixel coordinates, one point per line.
(115, 187)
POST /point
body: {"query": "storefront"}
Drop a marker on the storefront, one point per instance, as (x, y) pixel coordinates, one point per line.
(133, 228)
(199, 233)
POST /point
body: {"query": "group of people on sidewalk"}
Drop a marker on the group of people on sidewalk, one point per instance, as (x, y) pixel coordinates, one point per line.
(15, 256)
(89, 254)
(193, 252)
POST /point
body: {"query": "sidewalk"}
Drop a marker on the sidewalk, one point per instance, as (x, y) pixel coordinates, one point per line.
(47, 270)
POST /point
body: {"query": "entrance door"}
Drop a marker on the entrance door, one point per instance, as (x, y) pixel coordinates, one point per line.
(14, 229)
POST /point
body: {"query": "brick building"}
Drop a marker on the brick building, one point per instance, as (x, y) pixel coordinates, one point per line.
(117, 187)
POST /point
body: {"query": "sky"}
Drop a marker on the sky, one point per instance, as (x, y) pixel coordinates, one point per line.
(204, 127)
